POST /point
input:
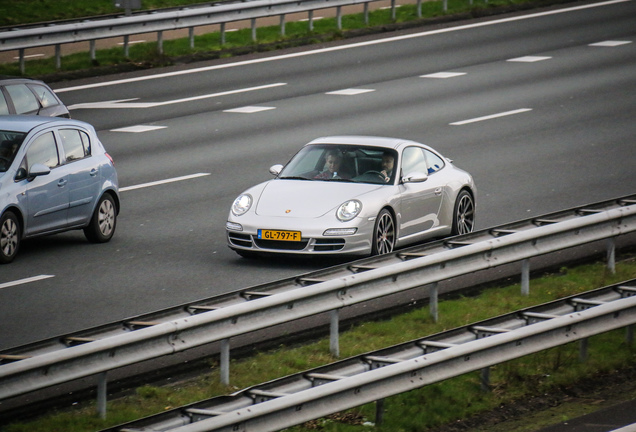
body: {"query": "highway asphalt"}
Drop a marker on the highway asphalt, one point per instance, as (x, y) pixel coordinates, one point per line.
(620, 417)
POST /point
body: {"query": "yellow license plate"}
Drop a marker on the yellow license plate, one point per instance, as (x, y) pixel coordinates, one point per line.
(279, 235)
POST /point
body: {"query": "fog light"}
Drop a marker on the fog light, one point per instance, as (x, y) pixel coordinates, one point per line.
(233, 226)
(340, 231)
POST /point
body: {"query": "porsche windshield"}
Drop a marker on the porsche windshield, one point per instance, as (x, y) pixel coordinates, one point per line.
(342, 163)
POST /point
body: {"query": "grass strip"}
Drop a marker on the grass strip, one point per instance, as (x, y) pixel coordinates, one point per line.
(542, 376)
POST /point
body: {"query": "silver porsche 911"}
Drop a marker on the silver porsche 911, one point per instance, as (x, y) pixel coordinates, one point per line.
(353, 195)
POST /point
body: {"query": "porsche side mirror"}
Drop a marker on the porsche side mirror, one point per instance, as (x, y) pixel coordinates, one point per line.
(415, 177)
(275, 169)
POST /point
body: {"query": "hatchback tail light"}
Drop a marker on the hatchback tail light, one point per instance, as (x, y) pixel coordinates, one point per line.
(110, 158)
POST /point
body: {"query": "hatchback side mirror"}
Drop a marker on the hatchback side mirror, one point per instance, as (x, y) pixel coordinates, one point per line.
(38, 170)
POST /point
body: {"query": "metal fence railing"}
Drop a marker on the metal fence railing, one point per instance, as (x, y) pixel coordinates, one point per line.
(219, 14)
(373, 376)
(22, 371)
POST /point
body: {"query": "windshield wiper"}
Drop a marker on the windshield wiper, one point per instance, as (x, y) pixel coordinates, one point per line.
(293, 178)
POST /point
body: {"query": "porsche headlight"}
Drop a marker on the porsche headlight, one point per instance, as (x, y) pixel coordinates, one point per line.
(348, 210)
(241, 204)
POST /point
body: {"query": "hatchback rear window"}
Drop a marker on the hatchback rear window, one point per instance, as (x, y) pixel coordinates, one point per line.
(46, 96)
(4, 107)
(24, 101)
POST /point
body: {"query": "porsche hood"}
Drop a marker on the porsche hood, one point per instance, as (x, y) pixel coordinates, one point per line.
(306, 199)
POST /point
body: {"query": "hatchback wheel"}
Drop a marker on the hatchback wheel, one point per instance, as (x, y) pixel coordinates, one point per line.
(104, 220)
(383, 234)
(9, 237)
(464, 214)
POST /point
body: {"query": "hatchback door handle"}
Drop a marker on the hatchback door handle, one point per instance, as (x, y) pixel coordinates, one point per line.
(438, 191)
(94, 172)
(62, 182)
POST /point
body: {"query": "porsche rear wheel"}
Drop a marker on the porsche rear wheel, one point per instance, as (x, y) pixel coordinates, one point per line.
(464, 214)
(383, 233)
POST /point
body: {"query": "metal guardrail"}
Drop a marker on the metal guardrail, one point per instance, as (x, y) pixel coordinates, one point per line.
(373, 376)
(222, 13)
(99, 350)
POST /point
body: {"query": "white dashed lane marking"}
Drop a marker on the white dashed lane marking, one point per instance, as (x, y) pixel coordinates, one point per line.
(161, 182)
(249, 109)
(610, 43)
(443, 75)
(25, 281)
(529, 59)
(492, 116)
(138, 129)
(350, 92)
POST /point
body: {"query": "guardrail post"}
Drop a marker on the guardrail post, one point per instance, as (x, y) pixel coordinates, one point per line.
(379, 412)
(91, 49)
(310, 19)
(126, 46)
(282, 25)
(102, 394)
(225, 362)
(485, 379)
(366, 14)
(433, 301)
(445, 3)
(419, 8)
(253, 29)
(611, 254)
(58, 56)
(22, 65)
(160, 42)
(191, 36)
(222, 33)
(393, 10)
(629, 335)
(339, 17)
(525, 277)
(334, 333)
(583, 350)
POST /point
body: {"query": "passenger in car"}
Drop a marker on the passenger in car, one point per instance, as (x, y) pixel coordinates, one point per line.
(333, 161)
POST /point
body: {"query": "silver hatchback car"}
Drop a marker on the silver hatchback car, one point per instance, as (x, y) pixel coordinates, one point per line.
(54, 176)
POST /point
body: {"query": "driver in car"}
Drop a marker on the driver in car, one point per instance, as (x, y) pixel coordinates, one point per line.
(387, 166)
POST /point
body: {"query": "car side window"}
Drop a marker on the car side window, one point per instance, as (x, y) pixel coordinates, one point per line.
(76, 144)
(23, 99)
(47, 98)
(43, 150)
(434, 162)
(414, 160)
(4, 106)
